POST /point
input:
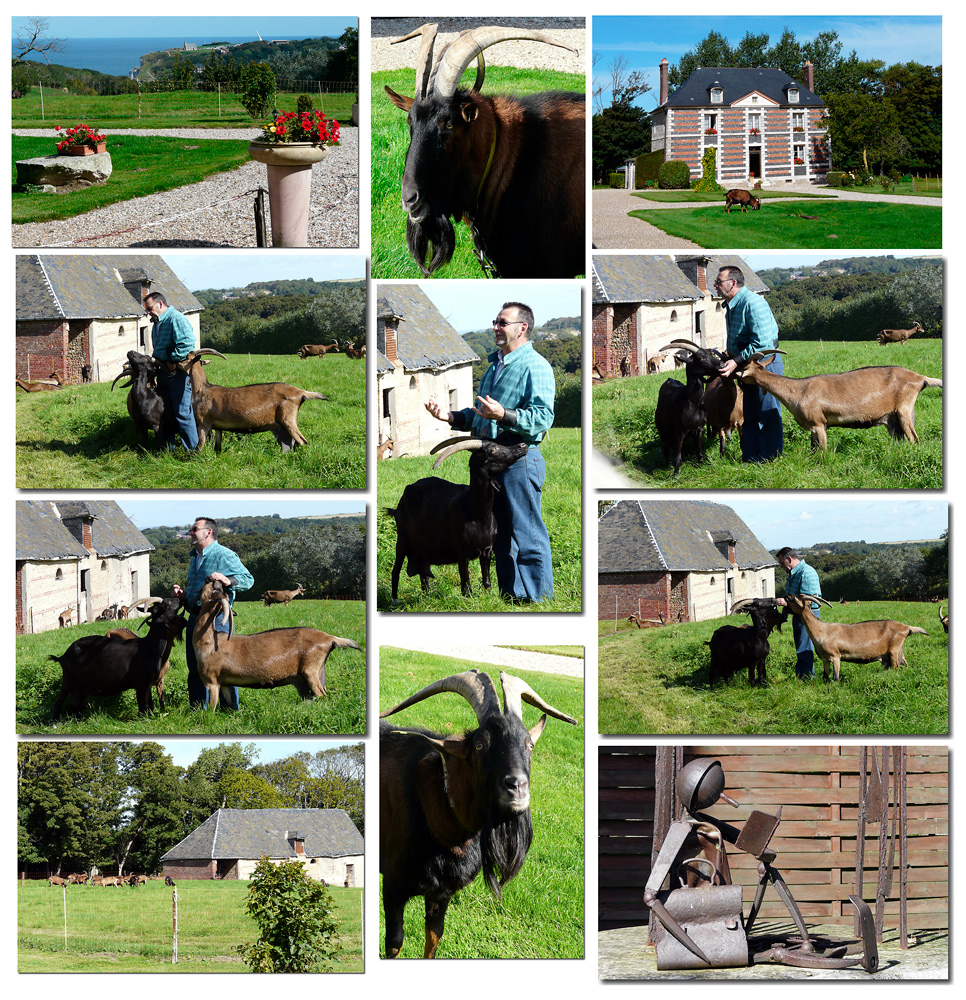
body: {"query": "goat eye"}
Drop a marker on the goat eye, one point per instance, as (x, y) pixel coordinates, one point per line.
(479, 746)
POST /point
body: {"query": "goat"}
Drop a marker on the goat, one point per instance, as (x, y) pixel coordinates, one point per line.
(355, 352)
(102, 665)
(269, 659)
(169, 881)
(80, 878)
(41, 385)
(863, 398)
(745, 199)
(863, 642)
(282, 596)
(504, 164)
(897, 336)
(56, 880)
(136, 880)
(248, 409)
(734, 647)
(625, 367)
(680, 411)
(317, 350)
(387, 447)
(725, 409)
(111, 881)
(943, 620)
(63, 619)
(598, 374)
(647, 622)
(146, 405)
(453, 805)
(439, 523)
(654, 363)
(108, 614)
(87, 374)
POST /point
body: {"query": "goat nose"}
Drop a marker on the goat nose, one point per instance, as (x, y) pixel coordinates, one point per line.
(517, 784)
(411, 200)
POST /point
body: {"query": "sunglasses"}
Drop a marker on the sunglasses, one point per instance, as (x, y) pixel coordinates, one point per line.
(501, 323)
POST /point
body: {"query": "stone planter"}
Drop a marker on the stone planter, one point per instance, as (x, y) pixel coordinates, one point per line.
(81, 150)
(60, 174)
(289, 187)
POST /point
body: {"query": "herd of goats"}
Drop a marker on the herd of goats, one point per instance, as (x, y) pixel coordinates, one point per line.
(735, 647)
(109, 881)
(121, 660)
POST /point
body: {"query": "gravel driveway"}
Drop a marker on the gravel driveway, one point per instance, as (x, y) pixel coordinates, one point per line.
(500, 656)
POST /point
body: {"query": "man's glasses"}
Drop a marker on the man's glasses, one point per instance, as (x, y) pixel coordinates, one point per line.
(501, 323)
(195, 529)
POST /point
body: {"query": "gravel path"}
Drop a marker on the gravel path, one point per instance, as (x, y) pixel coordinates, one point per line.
(217, 212)
(500, 656)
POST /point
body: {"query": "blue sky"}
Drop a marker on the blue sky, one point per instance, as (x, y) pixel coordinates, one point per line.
(214, 28)
(645, 41)
(185, 752)
(237, 269)
(172, 513)
(795, 258)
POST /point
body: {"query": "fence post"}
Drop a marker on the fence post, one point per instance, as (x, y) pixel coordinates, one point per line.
(174, 926)
(65, 916)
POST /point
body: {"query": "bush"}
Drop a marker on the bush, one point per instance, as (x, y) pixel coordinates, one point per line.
(257, 88)
(674, 175)
(566, 402)
(303, 104)
(708, 171)
(646, 167)
(616, 180)
(835, 178)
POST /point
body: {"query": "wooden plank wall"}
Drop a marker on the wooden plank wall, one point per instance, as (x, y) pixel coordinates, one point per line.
(818, 790)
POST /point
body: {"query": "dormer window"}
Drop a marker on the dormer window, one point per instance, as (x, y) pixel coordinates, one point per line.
(717, 95)
(754, 98)
(793, 95)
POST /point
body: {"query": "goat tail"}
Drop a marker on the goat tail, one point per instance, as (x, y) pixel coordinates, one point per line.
(345, 643)
(937, 382)
(312, 395)
(920, 631)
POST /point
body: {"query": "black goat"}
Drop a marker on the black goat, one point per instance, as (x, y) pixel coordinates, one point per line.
(680, 411)
(505, 164)
(147, 407)
(439, 523)
(106, 665)
(734, 647)
(450, 806)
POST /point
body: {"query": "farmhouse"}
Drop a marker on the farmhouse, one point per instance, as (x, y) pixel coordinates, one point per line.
(84, 555)
(641, 303)
(763, 124)
(232, 841)
(687, 560)
(420, 358)
(85, 311)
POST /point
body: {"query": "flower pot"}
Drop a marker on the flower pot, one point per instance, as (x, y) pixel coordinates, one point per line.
(80, 150)
(289, 187)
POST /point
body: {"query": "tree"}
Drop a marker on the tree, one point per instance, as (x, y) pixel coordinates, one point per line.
(32, 38)
(297, 932)
(220, 69)
(713, 50)
(182, 73)
(151, 821)
(918, 295)
(623, 129)
(257, 83)
(328, 560)
(863, 130)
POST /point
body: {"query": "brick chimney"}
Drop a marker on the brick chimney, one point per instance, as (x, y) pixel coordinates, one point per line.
(664, 69)
(809, 76)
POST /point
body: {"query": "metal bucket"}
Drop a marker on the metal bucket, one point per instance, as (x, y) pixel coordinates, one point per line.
(711, 916)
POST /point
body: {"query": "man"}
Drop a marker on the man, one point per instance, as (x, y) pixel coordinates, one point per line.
(173, 339)
(209, 558)
(802, 579)
(515, 403)
(751, 327)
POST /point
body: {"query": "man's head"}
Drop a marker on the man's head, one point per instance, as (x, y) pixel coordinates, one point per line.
(788, 558)
(203, 532)
(155, 303)
(512, 326)
(730, 281)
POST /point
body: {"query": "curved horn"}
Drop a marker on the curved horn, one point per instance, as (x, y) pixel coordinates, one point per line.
(448, 442)
(739, 606)
(467, 444)
(126, 371)
(516, 690)
(814, 597)
(475, 686)
(202, 352)
(226, 613)
(758, 355)
(681, 345)
(424, 61)
(454, 59)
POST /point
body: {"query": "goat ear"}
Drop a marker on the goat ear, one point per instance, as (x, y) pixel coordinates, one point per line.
(403, 103)
(537, 730)
(469, 111)
(451, 746)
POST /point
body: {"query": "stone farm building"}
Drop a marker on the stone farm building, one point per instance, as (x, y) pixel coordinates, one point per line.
(420, 358)
(232, 841)
(641, 303)
(763, 124)
(88, 311)
(685, 560)
(84, 555)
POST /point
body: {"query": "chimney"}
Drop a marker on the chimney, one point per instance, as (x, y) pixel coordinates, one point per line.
(390, 351)
(663, 69)
(809, 75)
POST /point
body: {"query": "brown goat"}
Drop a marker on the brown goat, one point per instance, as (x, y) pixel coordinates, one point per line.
(725, 409)
(597, 372)
(317, 350)
(65, 616)
(625, 366)
(387, 447)
(42, 385)
(56, 880)
(654, 363)
(742, 198)
(647, 622)
(897, 336)
(282, 596)
(943, 620)
(355, 352)
(865, 397)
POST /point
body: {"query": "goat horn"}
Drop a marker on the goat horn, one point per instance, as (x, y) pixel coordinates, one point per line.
(125, 371)
(424, 61)
(815, 597)
(758, 355)
(449, 441)
(466, 444)
(454, 59)
(739, 606)
(475, 686)
(516, 690)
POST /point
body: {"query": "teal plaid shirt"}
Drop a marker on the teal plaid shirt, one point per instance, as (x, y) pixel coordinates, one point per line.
(751, 325)
(525, 383)
(173, 337)
(804, 580)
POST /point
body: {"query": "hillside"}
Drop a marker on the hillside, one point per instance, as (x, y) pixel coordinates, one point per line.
(156, 65)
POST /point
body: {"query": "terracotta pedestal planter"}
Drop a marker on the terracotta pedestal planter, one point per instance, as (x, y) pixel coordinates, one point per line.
(289, 187)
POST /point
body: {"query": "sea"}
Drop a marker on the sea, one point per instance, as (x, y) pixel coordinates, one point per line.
(118, 56)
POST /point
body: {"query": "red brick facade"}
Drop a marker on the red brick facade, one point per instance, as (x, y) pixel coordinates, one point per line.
(615, 338)
(621, 595)
(190, 869)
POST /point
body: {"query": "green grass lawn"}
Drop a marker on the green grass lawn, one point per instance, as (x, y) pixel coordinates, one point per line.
(561, 514)
(922, 188)
(81, 437)
(623, 412)
(680, 197)
(141, 165)
(541, 914)
(108, 931)
(838, 225)
(390, 140)
(656, 681)
(342, 710)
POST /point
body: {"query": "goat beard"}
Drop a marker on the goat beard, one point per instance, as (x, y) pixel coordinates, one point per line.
(436, 230)
(504, 842)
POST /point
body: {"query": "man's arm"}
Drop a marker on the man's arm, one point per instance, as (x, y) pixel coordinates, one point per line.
(184, 337)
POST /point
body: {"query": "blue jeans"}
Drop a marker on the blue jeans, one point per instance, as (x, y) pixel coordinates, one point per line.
(524, 565)
(804, 650)
(761, 432)
(197, 692)
(176, 387)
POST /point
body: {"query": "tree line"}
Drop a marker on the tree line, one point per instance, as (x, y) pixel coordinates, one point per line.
(275, 288)
(121, 806)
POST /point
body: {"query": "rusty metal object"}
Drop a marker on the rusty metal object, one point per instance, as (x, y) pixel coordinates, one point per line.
(757, 833)
(860, 833)
(710, 917)
(903, 855)
(885, 873)
(701, 784)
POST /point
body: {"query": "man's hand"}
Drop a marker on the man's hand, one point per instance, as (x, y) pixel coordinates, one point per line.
(433, 408)
(780, 601)
(177, 591)
(728, 368)
(489, 408)
(220, 578)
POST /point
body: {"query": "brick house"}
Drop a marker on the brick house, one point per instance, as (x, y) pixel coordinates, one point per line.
(687, 560)
(86, 310)
(641, 303)
(80, 554)
(764, 124)
(232, 841)
(420, 358)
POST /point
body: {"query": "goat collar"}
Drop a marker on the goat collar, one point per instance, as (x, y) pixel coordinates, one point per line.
(449, 796)
(489, 160)
(479, 245)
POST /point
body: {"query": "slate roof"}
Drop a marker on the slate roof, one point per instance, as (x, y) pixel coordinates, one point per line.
(41, 535)
(634, 278)
(85, 286)
(113, 533)
(424, 339)
(736, 83)
(250, 833)
(717, 261)
(646, 536)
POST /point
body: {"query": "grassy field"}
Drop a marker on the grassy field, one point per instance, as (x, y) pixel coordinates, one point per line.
(541, 914)
(680, 197)
(390, 140)
(561, 514)
(828, 225)
(111, 931)
(342, 710)
(656, 681)
(623, 411)
(142, 165)
(81, 437)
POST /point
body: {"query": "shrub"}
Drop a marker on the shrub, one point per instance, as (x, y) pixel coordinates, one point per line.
(257, 88)
(303, 104)
(708, 171)
(646, 167)
(835, 178)
(616, 180)
(674, 175)
(566, 403)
